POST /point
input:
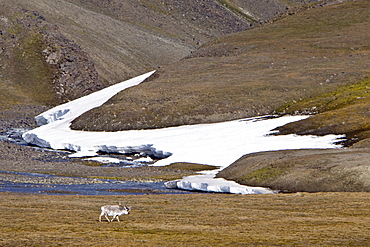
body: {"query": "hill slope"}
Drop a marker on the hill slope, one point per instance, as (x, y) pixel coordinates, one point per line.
(249, 73)
(127, 38)
(75, 47)
(39, 65)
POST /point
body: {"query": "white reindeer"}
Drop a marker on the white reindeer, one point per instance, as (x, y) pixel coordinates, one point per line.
(113, 210)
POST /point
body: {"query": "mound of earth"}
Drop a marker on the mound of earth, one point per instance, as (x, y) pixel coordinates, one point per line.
(304, 170)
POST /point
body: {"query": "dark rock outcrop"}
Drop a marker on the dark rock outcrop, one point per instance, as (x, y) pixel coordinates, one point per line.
(41, 62)
(77, 74)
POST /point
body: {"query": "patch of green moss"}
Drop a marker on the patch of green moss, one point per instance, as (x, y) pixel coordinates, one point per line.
(16, 29)
(10, 95)
(190, 166)
(30, 70)
(342, 97)
(264, 174)
(343, 111)
(92, 163)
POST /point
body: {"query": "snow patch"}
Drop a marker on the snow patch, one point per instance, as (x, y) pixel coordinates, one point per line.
(218, 144)
(75, 108)
(209, 183)
(105, 160)
(51, 117)
(144, 150)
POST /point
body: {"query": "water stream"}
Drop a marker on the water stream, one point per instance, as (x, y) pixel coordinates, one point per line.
(23, 182)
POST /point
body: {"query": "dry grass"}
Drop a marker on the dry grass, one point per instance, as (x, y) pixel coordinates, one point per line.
(321, 219)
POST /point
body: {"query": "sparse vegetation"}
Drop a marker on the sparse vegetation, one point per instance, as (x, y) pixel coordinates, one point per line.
(26, 77)
(191, 167)
(32, 73)
(263, 174)
(319, 219)
(343, 111)
(311, 170)
(339, 98)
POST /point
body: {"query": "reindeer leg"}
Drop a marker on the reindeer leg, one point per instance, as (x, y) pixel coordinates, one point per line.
(100, 217)
(115, 217)
(107, 217)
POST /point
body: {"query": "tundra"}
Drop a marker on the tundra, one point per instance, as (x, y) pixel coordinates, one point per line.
(113, 210)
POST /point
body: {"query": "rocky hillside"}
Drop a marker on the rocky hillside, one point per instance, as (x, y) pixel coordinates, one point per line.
(67, 49)
(255, 72)
(39, 64)
(127, 38)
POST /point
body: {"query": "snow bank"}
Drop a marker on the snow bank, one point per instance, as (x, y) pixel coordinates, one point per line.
(218, 144)
(208, 183)
(75, 108)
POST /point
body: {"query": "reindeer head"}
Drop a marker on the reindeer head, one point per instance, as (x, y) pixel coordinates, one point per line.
(124, 207)
(127, 209)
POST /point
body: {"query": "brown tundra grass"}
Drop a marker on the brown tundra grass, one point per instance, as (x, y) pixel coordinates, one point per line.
(317, 219)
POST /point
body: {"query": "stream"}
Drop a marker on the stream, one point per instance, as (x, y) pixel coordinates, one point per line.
(23, 182)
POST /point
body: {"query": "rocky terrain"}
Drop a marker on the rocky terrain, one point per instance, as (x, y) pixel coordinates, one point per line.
(39, 64)
(128, 38)
(215, 61)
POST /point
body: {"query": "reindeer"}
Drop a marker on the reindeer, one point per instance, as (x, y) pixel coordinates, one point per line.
(113, 210)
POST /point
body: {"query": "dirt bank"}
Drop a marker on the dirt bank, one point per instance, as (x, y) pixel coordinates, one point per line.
(310, 170)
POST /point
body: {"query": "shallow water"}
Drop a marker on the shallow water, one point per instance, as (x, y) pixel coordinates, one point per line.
(56, 185)
(22, 182)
